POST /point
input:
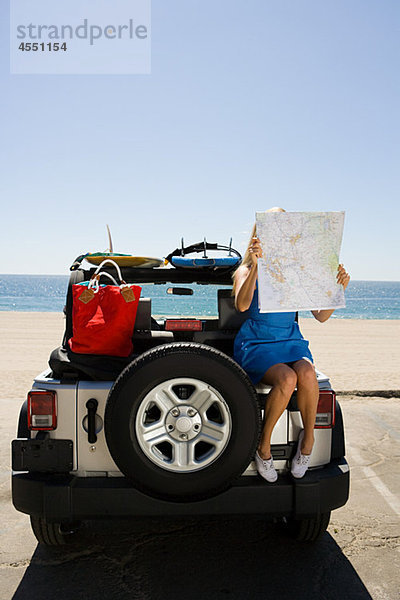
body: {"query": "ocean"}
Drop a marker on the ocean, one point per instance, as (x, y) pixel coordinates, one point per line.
(46, 293)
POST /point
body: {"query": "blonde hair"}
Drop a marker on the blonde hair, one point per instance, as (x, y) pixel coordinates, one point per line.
(246, 260)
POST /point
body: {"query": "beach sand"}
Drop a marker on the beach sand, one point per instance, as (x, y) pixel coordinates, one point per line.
(26, 340)
(355, 354)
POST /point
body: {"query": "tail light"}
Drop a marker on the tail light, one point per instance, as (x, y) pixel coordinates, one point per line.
(183, 325)
(42, 414)
(326, 410)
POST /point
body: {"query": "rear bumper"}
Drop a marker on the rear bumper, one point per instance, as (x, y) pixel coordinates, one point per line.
(69, 498)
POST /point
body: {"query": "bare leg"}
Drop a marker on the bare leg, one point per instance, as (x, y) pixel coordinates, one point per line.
(283, 380)
(307, 400)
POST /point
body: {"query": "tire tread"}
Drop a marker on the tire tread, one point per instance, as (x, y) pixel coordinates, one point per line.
(48, 534)
(309, 530)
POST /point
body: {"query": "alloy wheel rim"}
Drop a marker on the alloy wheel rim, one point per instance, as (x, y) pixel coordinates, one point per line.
(183, 425)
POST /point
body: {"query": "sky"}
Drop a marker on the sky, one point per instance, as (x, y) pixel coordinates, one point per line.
(291, 103)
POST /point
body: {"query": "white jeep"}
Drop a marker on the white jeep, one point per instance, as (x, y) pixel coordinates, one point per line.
(170, 431)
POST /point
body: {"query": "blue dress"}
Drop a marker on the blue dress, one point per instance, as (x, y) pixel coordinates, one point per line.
(266, 339)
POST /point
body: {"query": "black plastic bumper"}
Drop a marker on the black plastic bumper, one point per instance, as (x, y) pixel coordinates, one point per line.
(66, 498)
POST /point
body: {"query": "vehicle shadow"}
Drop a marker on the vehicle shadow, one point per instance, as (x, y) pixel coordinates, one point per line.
(196, 559)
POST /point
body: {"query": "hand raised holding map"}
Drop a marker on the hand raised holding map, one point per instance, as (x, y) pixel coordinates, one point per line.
(255, 250)
(342, 277)
(299, 266)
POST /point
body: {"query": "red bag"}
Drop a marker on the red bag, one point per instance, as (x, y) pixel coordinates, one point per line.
(103, 316)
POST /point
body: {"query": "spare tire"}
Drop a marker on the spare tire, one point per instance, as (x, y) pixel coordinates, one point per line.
(182, 422)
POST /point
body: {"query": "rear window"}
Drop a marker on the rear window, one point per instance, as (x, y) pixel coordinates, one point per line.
(202, 303)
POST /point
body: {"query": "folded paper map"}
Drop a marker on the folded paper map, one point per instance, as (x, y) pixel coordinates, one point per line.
(300, 260)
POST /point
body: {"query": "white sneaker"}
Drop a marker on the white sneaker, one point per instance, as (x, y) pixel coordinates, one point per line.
(266, 468)
(300, 461)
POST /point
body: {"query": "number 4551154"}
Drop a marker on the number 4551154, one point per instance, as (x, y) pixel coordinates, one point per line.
(42, 46)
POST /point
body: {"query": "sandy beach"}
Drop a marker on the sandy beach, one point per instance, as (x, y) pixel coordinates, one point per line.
(356, 354)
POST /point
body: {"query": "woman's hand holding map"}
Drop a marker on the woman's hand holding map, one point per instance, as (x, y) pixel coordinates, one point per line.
(255, 250)
(342, 276)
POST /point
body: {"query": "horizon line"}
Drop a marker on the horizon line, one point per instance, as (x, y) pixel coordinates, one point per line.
(67, 275)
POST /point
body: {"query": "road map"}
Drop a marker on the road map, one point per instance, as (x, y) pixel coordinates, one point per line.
(300, 260)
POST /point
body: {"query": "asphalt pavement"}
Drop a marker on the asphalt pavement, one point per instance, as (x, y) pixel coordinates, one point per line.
(235, 559)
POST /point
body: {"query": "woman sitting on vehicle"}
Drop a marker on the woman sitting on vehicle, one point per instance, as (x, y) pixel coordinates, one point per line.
(271, 349)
